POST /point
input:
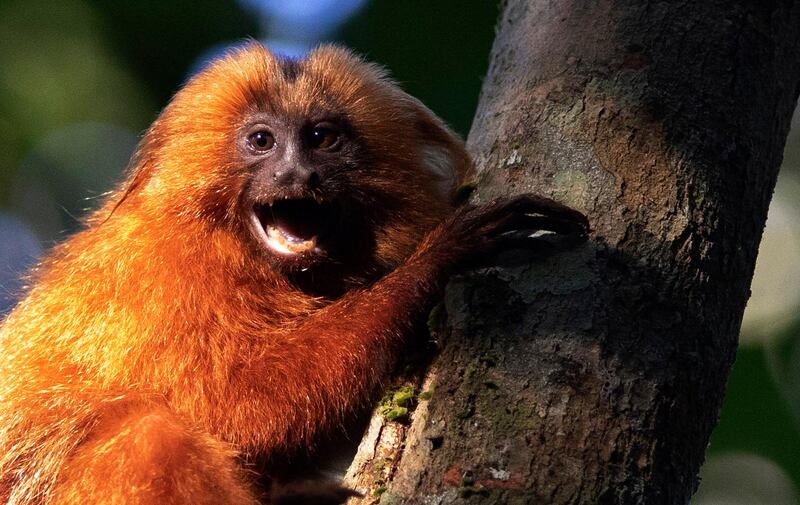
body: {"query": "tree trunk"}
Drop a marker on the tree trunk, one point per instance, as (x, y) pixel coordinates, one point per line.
(596, 375)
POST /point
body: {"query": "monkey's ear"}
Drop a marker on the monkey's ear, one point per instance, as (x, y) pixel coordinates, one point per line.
(437, 159)
(442, 154)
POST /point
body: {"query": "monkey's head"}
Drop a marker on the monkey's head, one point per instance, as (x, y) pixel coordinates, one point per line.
(320, 164)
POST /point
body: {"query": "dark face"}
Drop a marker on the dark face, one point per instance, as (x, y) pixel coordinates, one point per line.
(297, 204)
(322, 167)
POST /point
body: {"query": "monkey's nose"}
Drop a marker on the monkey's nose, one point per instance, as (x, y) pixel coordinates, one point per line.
(302, 177)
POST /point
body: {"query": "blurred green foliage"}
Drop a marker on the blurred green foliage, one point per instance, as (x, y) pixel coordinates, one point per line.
(755, 415)
(57, 70)
(160, 40)
(438, 51)
(77, 75)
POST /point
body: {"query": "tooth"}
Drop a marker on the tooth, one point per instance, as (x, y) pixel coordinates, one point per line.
(278, 242)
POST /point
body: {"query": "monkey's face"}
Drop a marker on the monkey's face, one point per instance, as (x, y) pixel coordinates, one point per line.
(299, 201)
(316, 164)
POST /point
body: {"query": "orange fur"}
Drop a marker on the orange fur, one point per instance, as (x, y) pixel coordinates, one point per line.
(158, 329)
(160, 344)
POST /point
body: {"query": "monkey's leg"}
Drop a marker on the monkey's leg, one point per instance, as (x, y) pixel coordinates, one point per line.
(150, 457)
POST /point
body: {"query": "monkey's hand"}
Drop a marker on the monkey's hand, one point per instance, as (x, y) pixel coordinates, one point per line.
(347, 347)
(473, 234)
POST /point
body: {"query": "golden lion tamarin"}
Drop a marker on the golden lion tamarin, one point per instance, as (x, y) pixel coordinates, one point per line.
(284, 224)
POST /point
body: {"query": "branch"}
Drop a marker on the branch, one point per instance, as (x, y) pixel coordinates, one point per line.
(596, 376)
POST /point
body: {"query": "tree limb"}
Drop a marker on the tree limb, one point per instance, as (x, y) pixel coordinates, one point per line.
(596, 376)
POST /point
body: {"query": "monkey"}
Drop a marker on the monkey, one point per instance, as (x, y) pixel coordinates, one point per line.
(245, 288)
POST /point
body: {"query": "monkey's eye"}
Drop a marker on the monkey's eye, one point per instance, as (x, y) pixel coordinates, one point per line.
(261, 141)
(323, 136)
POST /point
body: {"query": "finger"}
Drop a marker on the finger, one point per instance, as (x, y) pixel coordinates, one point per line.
(534, 204)
(515, 241)
(523, 222)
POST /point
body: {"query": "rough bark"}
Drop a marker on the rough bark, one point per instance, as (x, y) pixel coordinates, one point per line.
(596, 376)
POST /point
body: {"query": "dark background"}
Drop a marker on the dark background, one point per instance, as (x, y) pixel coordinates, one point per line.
(81, 79)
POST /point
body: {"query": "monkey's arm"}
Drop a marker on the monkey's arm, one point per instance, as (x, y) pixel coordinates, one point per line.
(332, 361)
(305, 380)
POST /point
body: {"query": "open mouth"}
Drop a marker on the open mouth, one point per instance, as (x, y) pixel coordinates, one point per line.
(294, 226)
